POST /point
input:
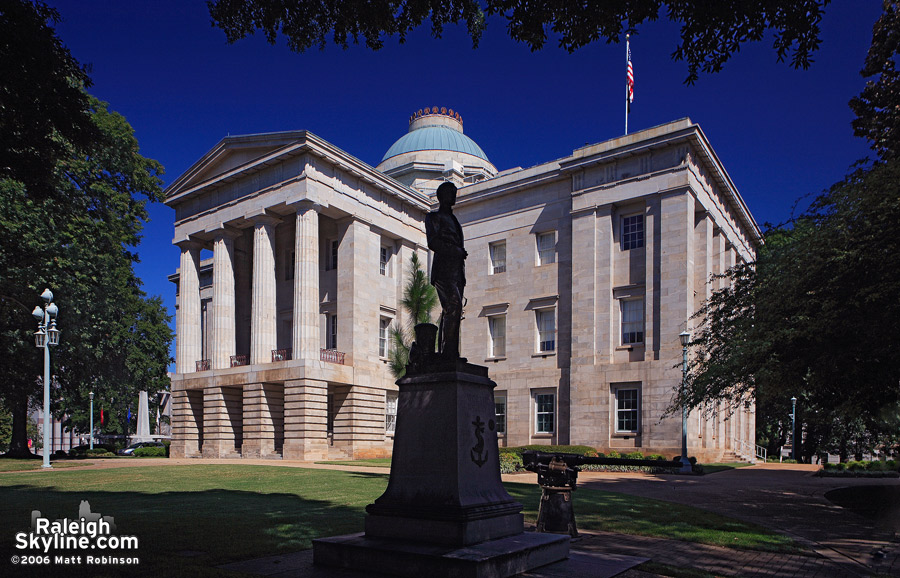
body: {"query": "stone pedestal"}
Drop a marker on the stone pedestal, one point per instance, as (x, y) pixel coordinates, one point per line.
(445, 511)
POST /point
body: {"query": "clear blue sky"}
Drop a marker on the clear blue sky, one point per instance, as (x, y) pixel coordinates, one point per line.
(781, 133)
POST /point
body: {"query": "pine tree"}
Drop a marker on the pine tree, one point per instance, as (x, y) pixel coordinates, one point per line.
(419, 298)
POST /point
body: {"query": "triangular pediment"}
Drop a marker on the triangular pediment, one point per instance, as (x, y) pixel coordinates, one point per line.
(231, 153)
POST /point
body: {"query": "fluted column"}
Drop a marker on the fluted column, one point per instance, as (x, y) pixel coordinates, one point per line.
(305, 339)
(263, 312)
(189, 346)
(223, 309)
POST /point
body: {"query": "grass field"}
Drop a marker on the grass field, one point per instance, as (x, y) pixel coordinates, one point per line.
(376, 462)
(19, 465)
(190, 518)
(723, 467)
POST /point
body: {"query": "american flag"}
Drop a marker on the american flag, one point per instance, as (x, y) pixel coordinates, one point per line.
(629, 78)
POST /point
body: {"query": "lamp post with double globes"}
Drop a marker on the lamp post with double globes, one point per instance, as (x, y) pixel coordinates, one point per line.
(685, 337)
(46, 335)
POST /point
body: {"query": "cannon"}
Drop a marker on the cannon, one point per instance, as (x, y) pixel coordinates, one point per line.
(558, 478)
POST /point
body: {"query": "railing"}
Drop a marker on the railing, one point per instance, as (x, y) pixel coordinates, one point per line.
(332, 356)
(281, 354)
(204, 365)
(238, 360)
(750, 452)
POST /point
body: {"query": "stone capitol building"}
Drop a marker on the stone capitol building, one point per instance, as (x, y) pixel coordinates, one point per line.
(582, 272)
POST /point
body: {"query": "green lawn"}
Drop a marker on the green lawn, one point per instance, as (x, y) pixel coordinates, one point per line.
(376, 462)
(722, 467)
(19, 465)
(191, 518)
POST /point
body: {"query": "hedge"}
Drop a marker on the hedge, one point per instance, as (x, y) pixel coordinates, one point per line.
(872, 469)
(151, 452)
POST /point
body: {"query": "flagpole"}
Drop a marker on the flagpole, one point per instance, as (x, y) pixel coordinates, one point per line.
(627, 50)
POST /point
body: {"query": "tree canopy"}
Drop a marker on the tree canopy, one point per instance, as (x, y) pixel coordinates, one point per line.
(38, 117)
(711, 30)
(876, 108)
(70, 220)
(816, 316)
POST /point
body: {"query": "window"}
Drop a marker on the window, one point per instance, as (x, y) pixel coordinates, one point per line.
(544, 412)
(383, 336)
(627, 410)
(632, 321)
(331, 335)
(332, 254)
(497, 327)
(632, 232)
(384, 261)
(498, 257)
(500, 414)
(390, 412)
(546, 329)
(289, 266)
(546, 248)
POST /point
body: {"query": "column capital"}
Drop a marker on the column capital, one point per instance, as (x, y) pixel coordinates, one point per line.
(188, 243)
(304, 205)
(263, 218)
(222, 230)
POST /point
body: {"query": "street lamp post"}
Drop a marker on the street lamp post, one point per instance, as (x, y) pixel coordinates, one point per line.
(685, 337)
(794, 428)
(92, 420)
(44, 337)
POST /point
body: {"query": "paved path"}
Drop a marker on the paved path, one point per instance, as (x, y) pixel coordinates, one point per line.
(786, 498)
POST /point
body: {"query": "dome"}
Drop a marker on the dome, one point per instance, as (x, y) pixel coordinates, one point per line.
(434, 138)
(435, 150)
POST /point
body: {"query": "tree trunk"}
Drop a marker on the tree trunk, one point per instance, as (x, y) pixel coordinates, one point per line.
(18, 445)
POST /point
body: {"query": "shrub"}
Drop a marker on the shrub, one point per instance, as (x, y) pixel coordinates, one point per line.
(656, 457)
(97, 451)
(613, 454)
(874, 468)
(510, 462)
(60, 454)
(580, 450)
(634, 456)
(150, 452)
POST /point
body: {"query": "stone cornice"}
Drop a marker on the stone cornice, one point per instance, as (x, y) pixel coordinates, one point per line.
(285, 145)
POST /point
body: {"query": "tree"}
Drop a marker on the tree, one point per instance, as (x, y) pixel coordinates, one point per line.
(419, 298)
(70, 217)
(877, 108)
(711, 31)
(816, 316)
(42, 103)
(114, 340)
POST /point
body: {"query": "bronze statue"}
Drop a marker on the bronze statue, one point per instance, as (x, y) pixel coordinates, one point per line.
(448, 270)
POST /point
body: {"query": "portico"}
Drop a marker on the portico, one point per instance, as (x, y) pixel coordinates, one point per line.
(280, 299)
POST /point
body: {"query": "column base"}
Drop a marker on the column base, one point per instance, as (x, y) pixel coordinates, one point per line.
(184, 449)
(305, 450)
(219, 449)
(257, 448)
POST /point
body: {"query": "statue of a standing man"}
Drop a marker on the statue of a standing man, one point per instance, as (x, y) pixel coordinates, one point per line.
(448, 269)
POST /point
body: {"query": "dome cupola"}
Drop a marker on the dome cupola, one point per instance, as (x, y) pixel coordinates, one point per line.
(435, 150)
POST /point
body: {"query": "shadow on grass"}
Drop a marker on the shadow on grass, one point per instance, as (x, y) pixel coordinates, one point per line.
(188, 533)
(878, 503)
(622, 513)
